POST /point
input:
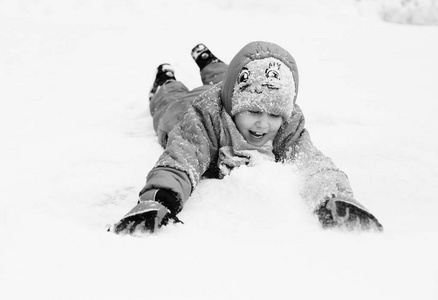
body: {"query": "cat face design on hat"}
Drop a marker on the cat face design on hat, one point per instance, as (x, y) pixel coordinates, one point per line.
(264, 85)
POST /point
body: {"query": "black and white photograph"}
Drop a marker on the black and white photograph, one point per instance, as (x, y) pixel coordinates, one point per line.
(218, 149)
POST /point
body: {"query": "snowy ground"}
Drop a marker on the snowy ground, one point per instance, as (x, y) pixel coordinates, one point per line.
(77, 143)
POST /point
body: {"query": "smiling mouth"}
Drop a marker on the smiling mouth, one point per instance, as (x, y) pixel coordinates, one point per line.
(257, 135)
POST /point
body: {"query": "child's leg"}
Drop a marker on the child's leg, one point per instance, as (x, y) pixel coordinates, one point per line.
(167, 105)
(213, 73)
(177, 99)
(168, 93)
(173, 114)
(212, 68)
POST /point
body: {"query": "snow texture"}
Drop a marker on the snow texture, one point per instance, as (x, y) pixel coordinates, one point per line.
(78, 142)
(416, 12)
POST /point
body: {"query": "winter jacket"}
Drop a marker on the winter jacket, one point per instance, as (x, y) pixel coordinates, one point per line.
(206, 142)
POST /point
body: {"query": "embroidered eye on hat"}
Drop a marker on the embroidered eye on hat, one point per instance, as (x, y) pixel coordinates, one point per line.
(261, 77)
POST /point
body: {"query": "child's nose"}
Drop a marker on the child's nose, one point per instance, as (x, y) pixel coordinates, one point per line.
(263, 120)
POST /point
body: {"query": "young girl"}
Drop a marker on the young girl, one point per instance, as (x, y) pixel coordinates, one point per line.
(242, 110)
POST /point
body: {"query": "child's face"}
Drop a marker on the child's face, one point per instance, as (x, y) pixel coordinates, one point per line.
(257, 127)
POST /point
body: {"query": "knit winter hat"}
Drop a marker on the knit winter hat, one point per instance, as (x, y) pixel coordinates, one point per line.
(261, 77)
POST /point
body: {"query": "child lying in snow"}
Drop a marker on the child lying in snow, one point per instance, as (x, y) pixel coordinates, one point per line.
(243, 109)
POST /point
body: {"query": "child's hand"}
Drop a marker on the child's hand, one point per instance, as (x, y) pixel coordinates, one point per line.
(146, 216)
(335, 212)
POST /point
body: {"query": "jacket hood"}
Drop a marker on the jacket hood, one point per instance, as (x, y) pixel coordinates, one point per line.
(256, 51)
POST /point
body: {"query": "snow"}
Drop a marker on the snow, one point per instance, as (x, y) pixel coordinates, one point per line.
(77, 143)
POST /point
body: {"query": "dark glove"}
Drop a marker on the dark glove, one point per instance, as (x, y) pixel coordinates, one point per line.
(169, 199)
(335, 212)
(146, 216)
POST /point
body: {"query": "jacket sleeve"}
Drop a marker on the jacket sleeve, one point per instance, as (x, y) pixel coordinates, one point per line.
(321, 179)
(188, 153)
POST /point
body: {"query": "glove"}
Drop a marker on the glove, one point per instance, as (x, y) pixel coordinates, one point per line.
(146, 216)
(336, 212)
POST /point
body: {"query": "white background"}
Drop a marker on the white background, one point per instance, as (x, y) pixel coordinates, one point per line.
(77, 144)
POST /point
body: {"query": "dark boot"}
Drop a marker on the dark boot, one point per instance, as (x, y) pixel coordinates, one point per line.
(203, 56)
(165, 74)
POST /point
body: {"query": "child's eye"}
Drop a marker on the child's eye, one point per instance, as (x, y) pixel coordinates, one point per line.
(243, 76)
(254, 112)
(274, 116)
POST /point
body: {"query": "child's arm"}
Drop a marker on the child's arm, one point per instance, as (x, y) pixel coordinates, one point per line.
(321, 178)
(326, 189)
(190, 149)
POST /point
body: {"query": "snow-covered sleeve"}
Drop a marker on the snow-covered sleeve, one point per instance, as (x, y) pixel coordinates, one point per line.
(321, 179)
(189, 151)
